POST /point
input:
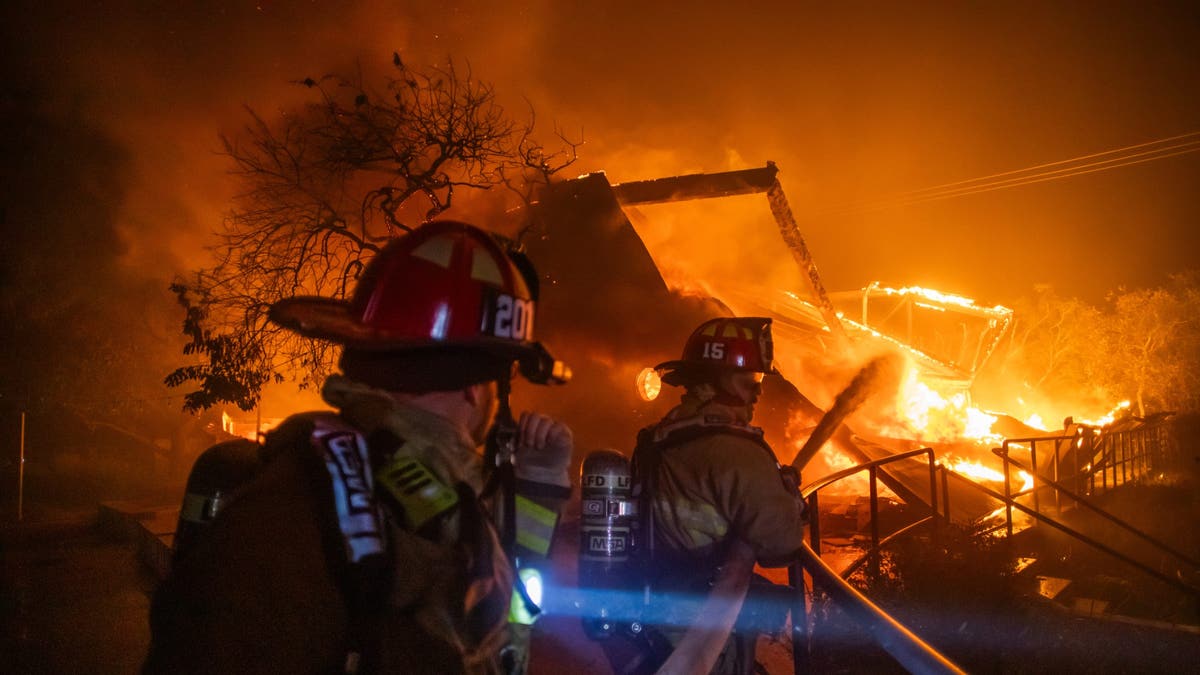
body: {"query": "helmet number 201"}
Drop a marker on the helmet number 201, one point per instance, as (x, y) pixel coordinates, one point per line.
(514, 318)
(714, 350)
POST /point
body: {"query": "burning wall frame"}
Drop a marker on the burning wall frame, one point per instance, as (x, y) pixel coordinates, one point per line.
(982, 328)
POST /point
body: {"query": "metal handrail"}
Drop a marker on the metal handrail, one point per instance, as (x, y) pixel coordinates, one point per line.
(909, 650)
(844, 473)
(1011, 503)
(906, 647)
(810, 491)
(853, 567)
(1162, 546)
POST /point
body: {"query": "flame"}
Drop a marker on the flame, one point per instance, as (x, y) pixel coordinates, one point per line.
(248, 430)
(927, 415)
(938, 296)
(828, 461)
(857, 484)
(980, 472)
(1107, 419)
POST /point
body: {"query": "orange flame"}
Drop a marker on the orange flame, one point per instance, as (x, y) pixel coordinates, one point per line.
(1107, 419)
(938, 296)
(927, 415)
(980, 472)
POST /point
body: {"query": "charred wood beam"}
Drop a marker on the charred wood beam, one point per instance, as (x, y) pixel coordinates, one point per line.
(795, 241)
(732, 183)
(697, 186)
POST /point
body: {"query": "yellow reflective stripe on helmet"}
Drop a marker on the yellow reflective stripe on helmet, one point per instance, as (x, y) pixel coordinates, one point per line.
(535, 525)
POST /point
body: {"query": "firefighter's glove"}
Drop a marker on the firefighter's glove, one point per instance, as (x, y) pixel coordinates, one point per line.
(544, 448)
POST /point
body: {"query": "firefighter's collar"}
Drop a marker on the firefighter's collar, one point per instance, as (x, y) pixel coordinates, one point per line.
(432, 439)
(691, 405)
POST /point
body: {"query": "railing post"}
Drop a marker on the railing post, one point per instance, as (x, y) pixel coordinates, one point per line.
(1124, 458)
(1057, 497)
(799, 609)
(1075, 482)
(1139, 447)
(874, 525)
(1144, 451)
(814, 523)
(946, 493)
(933, 512)
(1110, 458)
(1034, 466)
(814, 538)
(1007, 495)
(1115, 441)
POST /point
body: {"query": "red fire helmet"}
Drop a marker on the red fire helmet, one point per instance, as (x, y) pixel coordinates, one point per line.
(446, 284)
(733, 343)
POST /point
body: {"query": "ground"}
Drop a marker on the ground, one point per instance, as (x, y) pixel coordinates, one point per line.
(71, 601)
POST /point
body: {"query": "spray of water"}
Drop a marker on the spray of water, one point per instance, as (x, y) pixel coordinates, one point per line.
(879, 373)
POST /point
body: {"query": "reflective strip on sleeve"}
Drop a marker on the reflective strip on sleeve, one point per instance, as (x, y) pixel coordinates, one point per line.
(198, 508)
(535, 525)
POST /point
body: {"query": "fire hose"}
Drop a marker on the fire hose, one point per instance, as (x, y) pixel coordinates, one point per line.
(877, 371)
(697, 652)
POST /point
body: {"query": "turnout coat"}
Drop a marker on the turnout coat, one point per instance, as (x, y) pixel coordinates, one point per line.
(288, 580)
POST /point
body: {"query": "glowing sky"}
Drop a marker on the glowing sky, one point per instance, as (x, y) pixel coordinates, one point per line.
(854, 102)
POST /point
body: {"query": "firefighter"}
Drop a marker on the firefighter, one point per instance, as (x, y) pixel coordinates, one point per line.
(710, 485)
(374, 538)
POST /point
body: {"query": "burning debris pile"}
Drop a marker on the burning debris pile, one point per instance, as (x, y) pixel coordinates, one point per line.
(665, 283)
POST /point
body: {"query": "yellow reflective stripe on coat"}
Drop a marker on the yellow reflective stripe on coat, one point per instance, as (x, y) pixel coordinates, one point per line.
(518, 611)
(535, 525)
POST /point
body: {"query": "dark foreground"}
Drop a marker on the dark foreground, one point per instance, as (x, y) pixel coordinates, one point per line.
(71, 601)
(75, 600)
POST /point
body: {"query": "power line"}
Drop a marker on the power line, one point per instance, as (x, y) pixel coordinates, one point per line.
(1043, 177)
(1120, 160)
(1160, 141)
(1116, 158)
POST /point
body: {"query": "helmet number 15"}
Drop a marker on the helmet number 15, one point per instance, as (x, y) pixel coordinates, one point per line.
(714, 350)
(514, 318)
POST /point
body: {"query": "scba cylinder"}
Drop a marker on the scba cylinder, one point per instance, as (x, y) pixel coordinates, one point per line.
(217, 473)
(607, 522)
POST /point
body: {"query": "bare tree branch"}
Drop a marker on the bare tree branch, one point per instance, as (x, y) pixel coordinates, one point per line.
(324, 187)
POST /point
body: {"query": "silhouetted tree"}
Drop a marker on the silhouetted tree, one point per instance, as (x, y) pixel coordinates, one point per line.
(1143, 345)
(1055, 344)
(1154, 345)
(324, 188)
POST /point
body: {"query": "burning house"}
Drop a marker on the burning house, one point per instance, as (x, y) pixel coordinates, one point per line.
(622, 293)
(589, 238)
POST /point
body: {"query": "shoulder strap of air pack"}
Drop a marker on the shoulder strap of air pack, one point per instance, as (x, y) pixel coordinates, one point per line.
(676, 432)
(334, 456)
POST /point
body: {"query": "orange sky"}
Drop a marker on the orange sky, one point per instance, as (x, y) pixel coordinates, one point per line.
(854, 103)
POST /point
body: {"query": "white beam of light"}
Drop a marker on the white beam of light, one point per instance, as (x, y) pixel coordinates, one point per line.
(664, 609)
